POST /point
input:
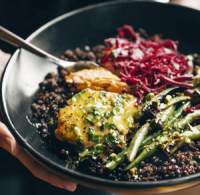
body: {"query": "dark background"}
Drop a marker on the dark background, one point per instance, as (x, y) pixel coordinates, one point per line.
(23, 17)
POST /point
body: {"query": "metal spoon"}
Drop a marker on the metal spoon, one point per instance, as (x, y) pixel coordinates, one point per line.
(17, 41)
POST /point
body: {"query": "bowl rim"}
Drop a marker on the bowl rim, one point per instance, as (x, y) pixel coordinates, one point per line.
(76, 175)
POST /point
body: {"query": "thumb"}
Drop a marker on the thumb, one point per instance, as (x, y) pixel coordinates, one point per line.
(7, 141)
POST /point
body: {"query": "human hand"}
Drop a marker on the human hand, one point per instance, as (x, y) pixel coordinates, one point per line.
(192, 3)
(8, 143)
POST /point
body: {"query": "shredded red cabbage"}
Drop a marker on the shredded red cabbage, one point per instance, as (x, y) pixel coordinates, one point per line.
(148, 65)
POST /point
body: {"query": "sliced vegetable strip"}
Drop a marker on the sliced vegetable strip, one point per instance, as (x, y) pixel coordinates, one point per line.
(175, 100)
(176, 115)
(188, 119)
(147, 152)
(157, 98)
(163, 116)
(137, 141)
(186, 137)
(111, 165)
(149, 139)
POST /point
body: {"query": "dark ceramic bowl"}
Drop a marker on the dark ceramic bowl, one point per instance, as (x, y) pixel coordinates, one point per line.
(89, 26)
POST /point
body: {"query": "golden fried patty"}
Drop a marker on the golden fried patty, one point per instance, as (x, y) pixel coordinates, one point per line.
(93, 117)
(97, 79)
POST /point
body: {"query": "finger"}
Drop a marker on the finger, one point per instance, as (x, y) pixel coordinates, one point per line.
(43, 173)
(7, 141)
(54, 179)
(9, 144)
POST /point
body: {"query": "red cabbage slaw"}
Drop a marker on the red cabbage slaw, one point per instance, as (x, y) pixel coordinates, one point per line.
(147, 65)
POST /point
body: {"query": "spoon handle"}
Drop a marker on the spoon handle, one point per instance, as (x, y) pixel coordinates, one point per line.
(15, 40)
